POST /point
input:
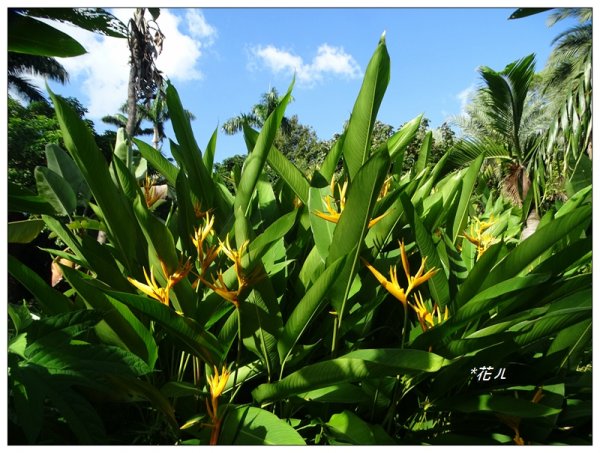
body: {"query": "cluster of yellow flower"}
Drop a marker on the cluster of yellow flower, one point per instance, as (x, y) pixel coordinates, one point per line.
(207, 254)
(426, 318)
(479, 237)
(333, 215)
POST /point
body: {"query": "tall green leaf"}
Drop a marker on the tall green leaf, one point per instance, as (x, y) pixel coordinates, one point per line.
(357, 141)
(247, 425)
(80, 144)
(55, 190)
(256, 160)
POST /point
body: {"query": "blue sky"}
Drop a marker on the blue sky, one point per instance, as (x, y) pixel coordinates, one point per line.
(222, 59)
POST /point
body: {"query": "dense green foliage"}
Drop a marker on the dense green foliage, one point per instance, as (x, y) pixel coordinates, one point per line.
(385, 296)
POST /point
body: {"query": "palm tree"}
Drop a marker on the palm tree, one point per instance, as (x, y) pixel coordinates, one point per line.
(21, 65)
(258, 115)
(505, 122)
(568, 85)
(157, 113)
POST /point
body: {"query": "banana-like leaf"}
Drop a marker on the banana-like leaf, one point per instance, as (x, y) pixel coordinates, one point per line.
(357, 142)
(23, 200)
(536, 244)
(158, 161)
(247, 425)
(462, 210)
(282, 166)
(352, 225)
(356, 366)
(117, 215)
(55, 190)
(421, 162)
(322, 229)
(190, 157)
(119, 326)
(51, 300)
(96, 20)
(307, 309)
(500, 404)
(33, 37)
(209, 153)
(162, 245)
(438, 284)
(62, 164)
(253, 166)
(24, 231)
(186, 331)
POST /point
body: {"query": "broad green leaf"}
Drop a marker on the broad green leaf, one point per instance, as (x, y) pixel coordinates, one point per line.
(92, 254)
(536, 244)
(496, 403)
(421, 162)
(24, 231)
(209, 153)
(62, 164)
(33, 37)
(353, 223)
(349, 427)
(462, 210)
(479, 272)
(397, 143)
(330, 163)
(117, 215)
(338, 393)
(247, 425)
(187, 331)
(519, 13)
(79, 415)
(186, 216)
(356, 366)
(23, 200)
(96, 20)
(438, 284)
(309, 307)
(282, 166)
(158, 161)
(253, 166)
(322, 229)
(161, 243)
(357, 141)
(190, 157)
(55, 190)
(51, 300)
(488, 298)
(119, 326)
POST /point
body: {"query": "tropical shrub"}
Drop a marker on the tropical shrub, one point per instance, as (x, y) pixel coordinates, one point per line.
(373, 307)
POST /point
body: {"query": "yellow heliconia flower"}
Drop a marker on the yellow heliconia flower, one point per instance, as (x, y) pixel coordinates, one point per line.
(236, 257)
(333, 215)
(218, 286)
(479, 237)
(216, 385)
(151, 195)
(153, 290)
(244, 279)
(205, 257)
(392, 285)
(426, 318)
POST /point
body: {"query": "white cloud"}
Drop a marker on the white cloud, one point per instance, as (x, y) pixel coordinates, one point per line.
(199, 28)
(103, 72)
(465, 96)
(329, 60)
